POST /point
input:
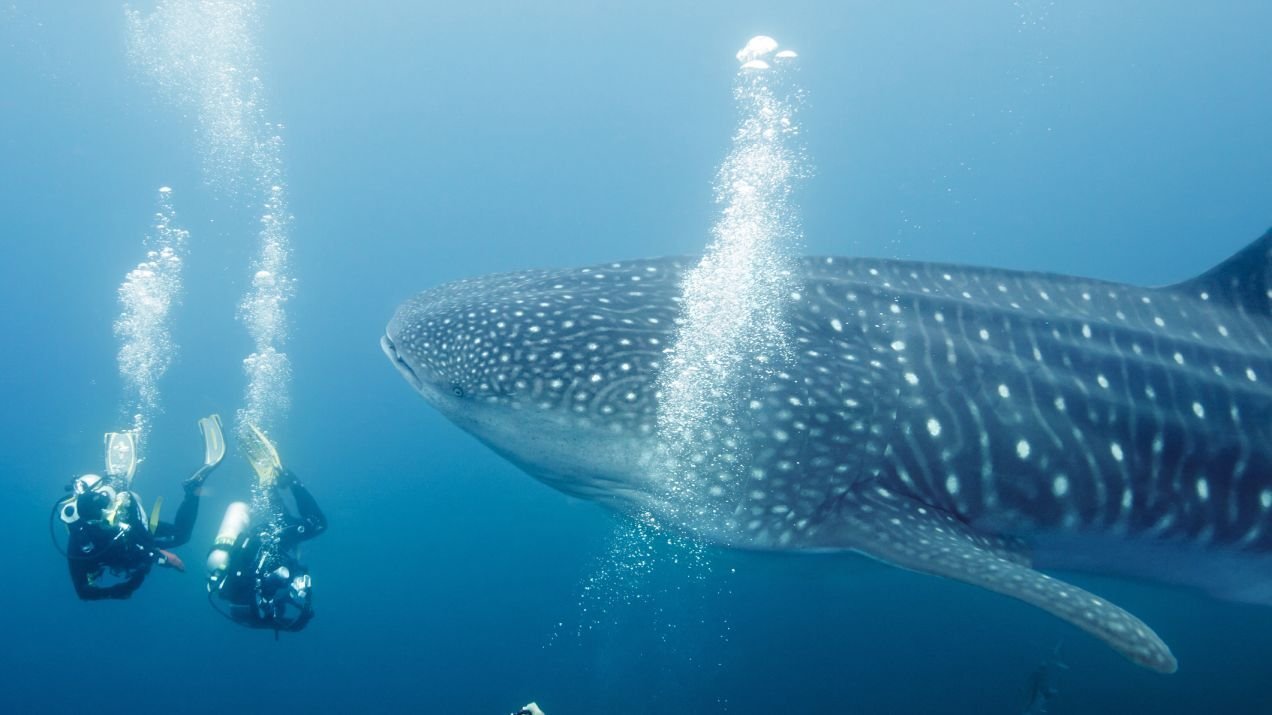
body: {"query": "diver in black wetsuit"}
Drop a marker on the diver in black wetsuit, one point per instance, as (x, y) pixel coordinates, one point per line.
(110, 547)
(259, 574)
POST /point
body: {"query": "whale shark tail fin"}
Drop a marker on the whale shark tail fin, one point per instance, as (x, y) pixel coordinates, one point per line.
(1244, 281)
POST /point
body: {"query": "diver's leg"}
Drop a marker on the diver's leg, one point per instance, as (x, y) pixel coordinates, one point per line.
(195, 481)
(312, 521)
(309, 519)
(315, 521)
(178, 532)
(307, 507)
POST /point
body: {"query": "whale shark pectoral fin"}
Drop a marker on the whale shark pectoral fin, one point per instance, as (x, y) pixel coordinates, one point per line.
(919, 537)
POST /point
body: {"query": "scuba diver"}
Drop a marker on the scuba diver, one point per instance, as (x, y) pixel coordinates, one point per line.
(111, 545)
(1043, 683)
(255, 569)
(530, 709)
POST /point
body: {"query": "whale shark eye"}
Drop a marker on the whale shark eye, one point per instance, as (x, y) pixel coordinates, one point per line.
(459, 391)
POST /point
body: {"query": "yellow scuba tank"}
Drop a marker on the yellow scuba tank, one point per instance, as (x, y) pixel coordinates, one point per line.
(237, 518)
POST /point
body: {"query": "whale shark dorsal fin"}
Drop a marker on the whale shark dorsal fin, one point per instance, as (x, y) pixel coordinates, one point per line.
(908, 533)
(1243, 281)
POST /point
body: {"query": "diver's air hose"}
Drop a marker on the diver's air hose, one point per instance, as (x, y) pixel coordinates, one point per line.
(55, 516)
(212, 603)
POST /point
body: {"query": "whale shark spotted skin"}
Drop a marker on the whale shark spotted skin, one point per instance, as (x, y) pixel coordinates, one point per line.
(971, 423)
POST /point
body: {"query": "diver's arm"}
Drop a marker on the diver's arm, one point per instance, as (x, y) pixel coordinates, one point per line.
(79, 578)
(84, 588)
(300, 621)
(125, 589)
(82, 570)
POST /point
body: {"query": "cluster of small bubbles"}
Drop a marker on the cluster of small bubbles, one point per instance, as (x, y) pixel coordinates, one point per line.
(262, 310)
(1033, 13)
(1033, 70)
(267, 510)
(652, 575)
(146, 298)
(202, 54)
(266, 397)
(735, 299)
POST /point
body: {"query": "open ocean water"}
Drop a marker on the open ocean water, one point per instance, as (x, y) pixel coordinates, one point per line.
(422, 142)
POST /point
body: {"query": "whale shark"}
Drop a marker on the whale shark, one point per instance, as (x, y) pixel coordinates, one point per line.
(978, 424)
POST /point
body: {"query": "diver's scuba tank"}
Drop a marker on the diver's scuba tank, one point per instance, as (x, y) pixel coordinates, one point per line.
(236, 520)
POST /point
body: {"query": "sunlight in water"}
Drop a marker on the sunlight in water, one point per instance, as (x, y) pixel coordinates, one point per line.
(146, 298)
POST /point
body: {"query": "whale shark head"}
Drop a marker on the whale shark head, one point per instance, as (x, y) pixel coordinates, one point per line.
(552, 369)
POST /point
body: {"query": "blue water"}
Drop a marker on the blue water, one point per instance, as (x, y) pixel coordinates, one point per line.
(426, 142)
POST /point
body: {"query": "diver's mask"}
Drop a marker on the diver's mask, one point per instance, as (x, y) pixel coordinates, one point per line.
(93, 491)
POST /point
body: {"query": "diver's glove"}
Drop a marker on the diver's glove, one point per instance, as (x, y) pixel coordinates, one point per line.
(170, 560)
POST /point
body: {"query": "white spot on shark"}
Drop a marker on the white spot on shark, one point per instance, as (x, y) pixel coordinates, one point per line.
(1116, 450)
(1060, 486)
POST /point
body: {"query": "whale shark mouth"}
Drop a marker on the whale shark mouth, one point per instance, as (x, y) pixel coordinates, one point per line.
(390, 350)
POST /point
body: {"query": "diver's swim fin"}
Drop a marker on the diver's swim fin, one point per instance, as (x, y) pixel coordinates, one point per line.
(121, 455)
(213, 441)
(261, 453)
(213, 450)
